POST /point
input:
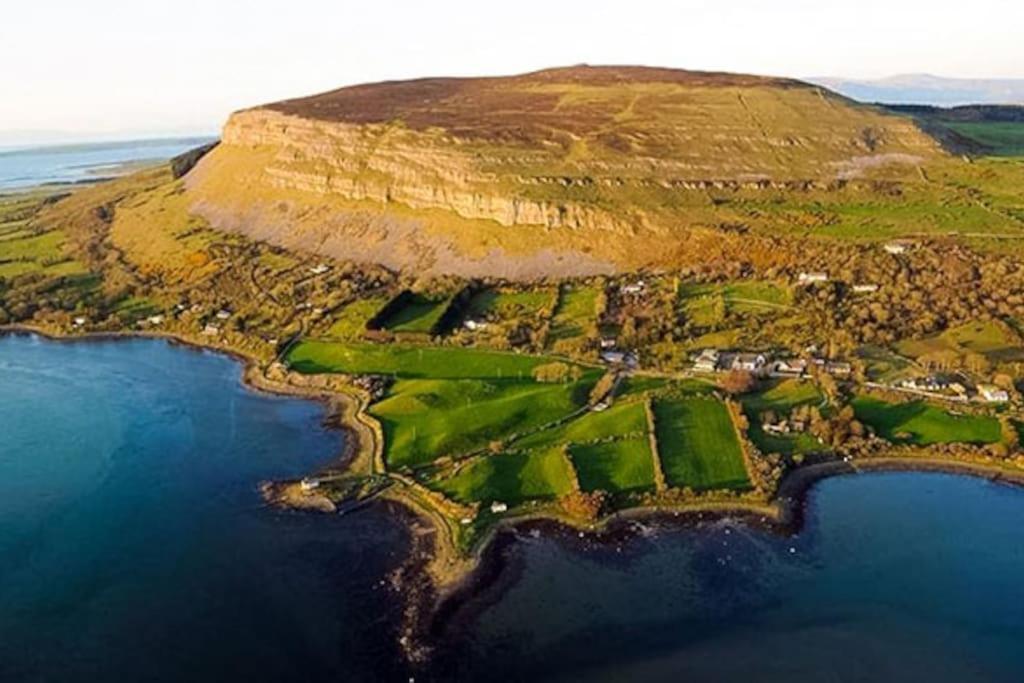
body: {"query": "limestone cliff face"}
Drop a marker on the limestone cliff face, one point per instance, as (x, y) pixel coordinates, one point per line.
(555, 172)
(421, 170)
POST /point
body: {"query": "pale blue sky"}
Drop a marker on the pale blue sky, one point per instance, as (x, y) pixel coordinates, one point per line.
(143, 66)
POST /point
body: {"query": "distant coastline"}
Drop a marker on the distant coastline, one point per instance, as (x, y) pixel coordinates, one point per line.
(27, 167)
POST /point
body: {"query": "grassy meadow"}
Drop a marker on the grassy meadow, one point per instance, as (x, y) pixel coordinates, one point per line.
(350, 322)
(921, 423)
(1003, 138)
(574, 314)
(993, 339)
(409, 361)
(782, 397)
(510, 478)
(615, 466)
(24, 249)
(419, 315)
(424, 419)
(698, 444)
(509, 304)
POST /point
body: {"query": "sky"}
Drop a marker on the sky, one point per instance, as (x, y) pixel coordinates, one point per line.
(112, 68)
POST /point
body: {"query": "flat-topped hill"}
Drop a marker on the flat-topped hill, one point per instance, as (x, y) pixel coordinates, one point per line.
(531, 175)
(579, 100)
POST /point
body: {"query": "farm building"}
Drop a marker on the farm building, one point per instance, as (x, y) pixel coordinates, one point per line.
(993, 394)
(865, 288)
(750, 362)
(707, 361)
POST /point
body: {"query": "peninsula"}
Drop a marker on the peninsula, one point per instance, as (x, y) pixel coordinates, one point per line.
(576, 294)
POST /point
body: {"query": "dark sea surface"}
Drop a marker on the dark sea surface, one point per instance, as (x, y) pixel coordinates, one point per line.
(134, 547)
(22, 168)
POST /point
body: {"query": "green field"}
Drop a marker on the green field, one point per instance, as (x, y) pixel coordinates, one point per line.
(707, 304)
(624, 465)
(408, 361)
(448, 401)
(133, 309)
(993, 339)
(781, 398)
(510, 305)
(350, 322)
(920, 423)
(883, 365)
(23, 251)
(511, 478)
(420, 314)
(1004, 138)
(575, 313)
(424, 419)
(698, 444)
(622, 420)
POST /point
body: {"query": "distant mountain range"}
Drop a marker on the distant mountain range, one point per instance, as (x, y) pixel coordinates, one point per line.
(927, 89)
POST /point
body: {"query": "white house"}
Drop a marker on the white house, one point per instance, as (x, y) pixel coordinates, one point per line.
(930, 383)
(895, 248)
(320, 269)
(155, 319)
(993, 394)
(791, 367)
(750, 362)
(707, 361)
(613, 357)
(307, 485)
(635, 288)
(838, 368)
(223, 314)
(809, 278)
(865, 289)
(497, 508)
(80, 321)
(474, 325)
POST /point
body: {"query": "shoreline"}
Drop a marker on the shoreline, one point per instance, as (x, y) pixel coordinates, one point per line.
(443, 587)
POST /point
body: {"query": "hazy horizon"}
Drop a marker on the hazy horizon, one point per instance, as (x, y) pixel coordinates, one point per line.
(111, 69)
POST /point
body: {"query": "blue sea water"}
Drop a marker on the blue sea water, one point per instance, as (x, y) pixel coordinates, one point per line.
(22, 168)
(134, 547)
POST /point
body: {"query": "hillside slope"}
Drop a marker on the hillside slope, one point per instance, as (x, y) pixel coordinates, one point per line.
(560, 172)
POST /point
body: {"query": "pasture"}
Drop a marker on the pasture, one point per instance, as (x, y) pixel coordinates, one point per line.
(614, 466)
(1003, 138)
(424, 419)
(698, 444)
(419, 314)
(510, 478)
(409, 361)
(25, 251)
(500, 304)
(781, 398)
(708, 304)
(350, 322)
(575, 313)
(994, 339)
(921, 423)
